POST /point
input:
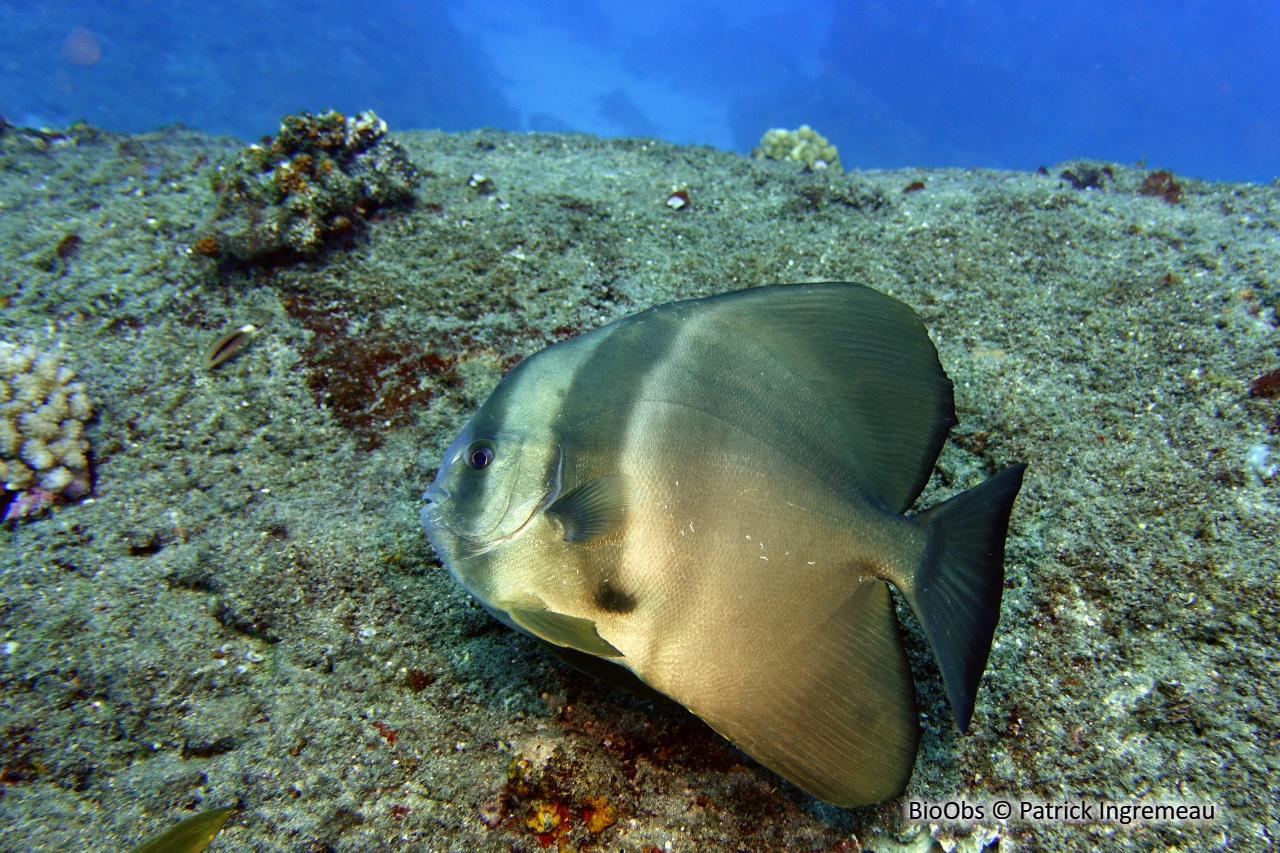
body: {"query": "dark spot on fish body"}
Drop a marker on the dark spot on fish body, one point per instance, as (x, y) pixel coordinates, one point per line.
(611, 599)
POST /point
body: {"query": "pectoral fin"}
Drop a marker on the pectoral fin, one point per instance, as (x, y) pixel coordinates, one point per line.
(572, 632)
(594, 510)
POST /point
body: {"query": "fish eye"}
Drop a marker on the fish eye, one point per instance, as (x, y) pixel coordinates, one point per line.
(480, 455)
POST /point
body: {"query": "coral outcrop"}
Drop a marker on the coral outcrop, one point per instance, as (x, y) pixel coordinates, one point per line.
(805, 146)
(321, 177)
(43, 452)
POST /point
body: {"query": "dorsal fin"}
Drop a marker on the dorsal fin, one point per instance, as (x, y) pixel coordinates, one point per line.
(840, 378)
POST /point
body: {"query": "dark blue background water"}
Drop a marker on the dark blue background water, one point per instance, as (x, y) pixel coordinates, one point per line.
(1190, 86)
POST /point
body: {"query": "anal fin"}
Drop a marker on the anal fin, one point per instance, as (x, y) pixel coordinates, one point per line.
(836, 713)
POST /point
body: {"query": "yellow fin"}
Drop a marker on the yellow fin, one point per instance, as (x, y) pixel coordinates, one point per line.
(572, 632)
(189, 836)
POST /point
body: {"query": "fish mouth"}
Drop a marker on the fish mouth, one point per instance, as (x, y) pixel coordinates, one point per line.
(432, 516)
(435, 495)
(449, 542)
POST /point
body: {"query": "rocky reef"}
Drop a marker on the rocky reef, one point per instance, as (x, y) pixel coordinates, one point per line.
(321, 178)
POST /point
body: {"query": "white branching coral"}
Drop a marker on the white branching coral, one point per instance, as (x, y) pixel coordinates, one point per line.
(42, 418)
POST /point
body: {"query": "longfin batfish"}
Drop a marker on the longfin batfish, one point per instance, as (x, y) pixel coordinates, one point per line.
(708, 500)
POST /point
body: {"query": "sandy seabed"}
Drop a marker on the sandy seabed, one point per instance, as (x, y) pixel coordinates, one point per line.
(247, 613)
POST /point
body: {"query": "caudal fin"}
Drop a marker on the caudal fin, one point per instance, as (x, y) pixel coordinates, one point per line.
(956, 591)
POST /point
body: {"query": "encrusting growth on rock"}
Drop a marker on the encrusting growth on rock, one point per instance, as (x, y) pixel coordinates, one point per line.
(321, 177)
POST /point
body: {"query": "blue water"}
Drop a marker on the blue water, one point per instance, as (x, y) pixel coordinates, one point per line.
(1184, 85)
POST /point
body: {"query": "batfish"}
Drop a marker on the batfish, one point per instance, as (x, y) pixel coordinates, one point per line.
(708, 499)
